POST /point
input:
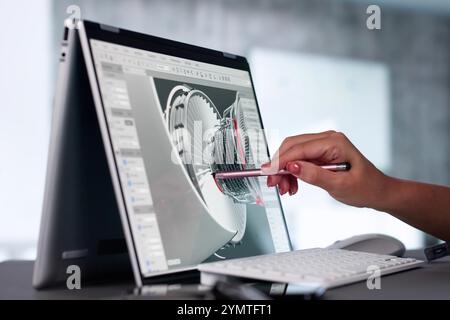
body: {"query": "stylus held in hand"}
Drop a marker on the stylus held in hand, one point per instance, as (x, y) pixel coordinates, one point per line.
(343, 166)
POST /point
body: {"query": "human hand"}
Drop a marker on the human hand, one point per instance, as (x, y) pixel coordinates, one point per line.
(302, 156)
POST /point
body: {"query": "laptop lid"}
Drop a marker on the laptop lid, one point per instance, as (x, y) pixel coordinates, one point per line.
(171, 115)
(80, 224)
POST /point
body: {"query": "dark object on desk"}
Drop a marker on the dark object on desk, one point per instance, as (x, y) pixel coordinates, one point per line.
(226, 290)
(372, 243)
(179, 291)
(436, 252)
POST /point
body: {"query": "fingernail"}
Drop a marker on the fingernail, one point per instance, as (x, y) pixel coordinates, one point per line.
(294, 168)
(265, 165)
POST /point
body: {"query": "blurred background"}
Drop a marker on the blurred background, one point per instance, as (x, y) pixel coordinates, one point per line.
(316, 67)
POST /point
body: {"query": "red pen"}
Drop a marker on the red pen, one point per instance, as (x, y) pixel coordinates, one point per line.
(343, 166)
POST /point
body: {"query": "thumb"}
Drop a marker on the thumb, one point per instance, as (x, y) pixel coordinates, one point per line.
(312, 174)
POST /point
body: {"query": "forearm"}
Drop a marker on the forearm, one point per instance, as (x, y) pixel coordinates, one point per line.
(421, 205)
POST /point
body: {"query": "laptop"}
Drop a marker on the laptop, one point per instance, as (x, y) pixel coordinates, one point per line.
(140, 126)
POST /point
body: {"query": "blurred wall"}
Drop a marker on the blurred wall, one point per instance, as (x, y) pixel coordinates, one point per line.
(413, 45)
(26, 90)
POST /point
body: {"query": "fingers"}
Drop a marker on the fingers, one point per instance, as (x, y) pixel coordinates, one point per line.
(315, 175)
(288, 184)
(284, 185)
(294, 168)
(274, 180)
(289, 142)
(323, 150)
(293, 140)
(293, 185)
(302, 153)
(271, 182)
(318, 150)
(309, 173)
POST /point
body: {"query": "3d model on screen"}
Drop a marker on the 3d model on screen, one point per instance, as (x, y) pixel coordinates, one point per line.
(209, 141)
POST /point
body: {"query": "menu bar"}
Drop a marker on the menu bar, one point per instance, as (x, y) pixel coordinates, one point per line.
(144, 62)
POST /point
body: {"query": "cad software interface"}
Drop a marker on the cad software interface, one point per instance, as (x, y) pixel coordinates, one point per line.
(210, 115)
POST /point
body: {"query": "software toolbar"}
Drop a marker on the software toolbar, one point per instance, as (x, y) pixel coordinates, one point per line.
(140, 61)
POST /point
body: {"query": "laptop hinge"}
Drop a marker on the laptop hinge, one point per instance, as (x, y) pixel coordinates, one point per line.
(109, 28)
(229, 55)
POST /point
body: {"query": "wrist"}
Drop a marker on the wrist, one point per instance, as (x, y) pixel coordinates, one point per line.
(387, 193)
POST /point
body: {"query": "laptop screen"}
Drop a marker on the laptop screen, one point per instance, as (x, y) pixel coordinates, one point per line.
(172, 123)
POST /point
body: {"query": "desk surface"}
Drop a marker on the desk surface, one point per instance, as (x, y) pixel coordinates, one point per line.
(429, 282)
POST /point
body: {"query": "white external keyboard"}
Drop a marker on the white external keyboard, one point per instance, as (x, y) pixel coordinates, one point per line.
(326, 267)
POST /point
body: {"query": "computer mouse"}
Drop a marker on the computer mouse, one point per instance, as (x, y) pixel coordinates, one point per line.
(372, 243)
